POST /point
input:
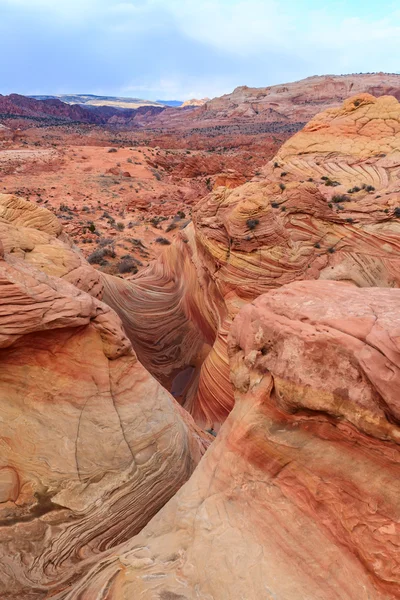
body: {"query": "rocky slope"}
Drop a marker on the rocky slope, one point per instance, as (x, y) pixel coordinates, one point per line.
(299, 101)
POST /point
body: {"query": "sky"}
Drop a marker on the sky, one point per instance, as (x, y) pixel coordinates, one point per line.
(180, 49)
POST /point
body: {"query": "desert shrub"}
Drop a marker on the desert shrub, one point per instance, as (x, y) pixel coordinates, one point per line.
(97, 257)
(282, 186)
(340, 198)
(397, 212)
(155, 221)
(120, 226)
(180, 214)
(113, 150)
(171, 227)
(252, 223)
(127, 265)
(92, 227)
(317, 245)
(283, 174)
(105, 242)
(331, 250)
(163, 241)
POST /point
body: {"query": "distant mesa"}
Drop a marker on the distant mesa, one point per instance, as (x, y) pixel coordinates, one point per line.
(93, 100)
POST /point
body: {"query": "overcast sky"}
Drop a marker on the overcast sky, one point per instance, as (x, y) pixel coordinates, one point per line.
(179, 49)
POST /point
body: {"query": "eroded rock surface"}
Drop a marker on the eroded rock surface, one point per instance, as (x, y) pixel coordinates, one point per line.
(298, 498)
(91, 445)
(326, 207)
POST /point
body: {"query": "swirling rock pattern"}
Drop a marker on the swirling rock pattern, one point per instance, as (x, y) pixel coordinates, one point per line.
(91, 446)
(298, 498)
(35, 235)
(327, 207)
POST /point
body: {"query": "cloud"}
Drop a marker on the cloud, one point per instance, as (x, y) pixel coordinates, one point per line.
(186, 48)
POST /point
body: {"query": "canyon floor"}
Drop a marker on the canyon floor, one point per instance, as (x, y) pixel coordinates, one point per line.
(119, 201)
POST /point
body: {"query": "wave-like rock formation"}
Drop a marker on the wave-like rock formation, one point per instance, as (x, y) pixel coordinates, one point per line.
(327, 207)
(274, 320)
(298, 498)
(91, 445)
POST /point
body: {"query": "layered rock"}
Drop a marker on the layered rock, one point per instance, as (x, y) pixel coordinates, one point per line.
(295, 102)
(91, 445)
(327, 207)
(298, 498)
(35, 235)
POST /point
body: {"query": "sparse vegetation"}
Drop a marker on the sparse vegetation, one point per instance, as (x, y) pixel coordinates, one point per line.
(252, 223)
(97, 257)
(340, 198)
(127, 265)
(163, 241)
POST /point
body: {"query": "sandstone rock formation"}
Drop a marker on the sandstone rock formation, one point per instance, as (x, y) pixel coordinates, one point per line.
(34, 235)
(327, 207)
(91, 445)
(195, 102)
(292, 278)
(297, 101)
(298, 498)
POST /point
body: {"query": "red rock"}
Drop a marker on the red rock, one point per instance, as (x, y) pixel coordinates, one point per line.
(92, 445)
(298, 498)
